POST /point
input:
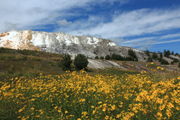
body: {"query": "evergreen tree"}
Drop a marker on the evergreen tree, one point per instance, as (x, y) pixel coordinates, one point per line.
(161, 55)
(167, 53)
(117, 57)
(132, 55)
(66, 62)
(96, 57)
(102, 58)
(147, 52)
(80, 62)
(155, 56)
(107, 57)
(164, 62)
(149, 59)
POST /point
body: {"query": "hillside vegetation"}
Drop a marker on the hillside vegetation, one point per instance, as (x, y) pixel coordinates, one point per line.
(33, 86)
(26, 62)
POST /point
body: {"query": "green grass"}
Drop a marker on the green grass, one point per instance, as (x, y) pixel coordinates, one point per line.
(32, 64)
(27, 63)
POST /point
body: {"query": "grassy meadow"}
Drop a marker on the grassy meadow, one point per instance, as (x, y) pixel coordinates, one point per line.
(35, 88)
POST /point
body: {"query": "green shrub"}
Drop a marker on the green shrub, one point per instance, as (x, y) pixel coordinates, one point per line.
(161, 55)
(96, 57)
(66, 61)
(117, 57)
(154, 56)
(102, 58)
(167, 53)
(164, 62)
(147, 52)
(8, 110)
(107, 57)
(149, 59)
(80, 62)
(132, 55)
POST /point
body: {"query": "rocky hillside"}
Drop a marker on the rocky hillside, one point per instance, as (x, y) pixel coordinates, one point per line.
(64, 43)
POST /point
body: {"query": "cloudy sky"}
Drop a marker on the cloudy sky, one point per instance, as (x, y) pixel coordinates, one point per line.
(143, 24)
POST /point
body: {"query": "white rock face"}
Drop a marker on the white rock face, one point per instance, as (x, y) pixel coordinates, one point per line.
(101, 64)
(62, 43)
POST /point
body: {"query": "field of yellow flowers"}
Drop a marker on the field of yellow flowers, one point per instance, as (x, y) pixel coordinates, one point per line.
(81, 96)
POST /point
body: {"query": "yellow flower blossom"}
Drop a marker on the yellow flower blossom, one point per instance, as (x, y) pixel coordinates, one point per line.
(65, 96)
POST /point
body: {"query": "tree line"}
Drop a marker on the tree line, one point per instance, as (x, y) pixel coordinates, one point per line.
(160, 56)
(80, 62)
(131, 57)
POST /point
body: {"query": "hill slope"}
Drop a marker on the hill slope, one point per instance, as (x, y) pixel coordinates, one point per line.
(26, 62)
(64, 43)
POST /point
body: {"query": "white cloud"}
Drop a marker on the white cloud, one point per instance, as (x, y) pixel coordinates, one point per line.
(139, 40)
(25, 14)
(169, 36)
(153, 38)
(63, 22)
(28, 14)
(147, 42)
(165, 42)
(136, 22)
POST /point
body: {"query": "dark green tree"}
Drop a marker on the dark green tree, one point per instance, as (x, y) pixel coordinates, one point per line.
(80, 62)
(96, 57)
(177, 54)
(175, 60)
(161, 55)
(167, 53)
(66, 62)
(149, 59)
(132, 55)
(107, 57)
(154, 56)
(164, 62)
(147, 52)
(102, 58)
(117, 57)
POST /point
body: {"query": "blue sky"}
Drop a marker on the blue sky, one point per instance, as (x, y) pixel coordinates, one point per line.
(142, 24)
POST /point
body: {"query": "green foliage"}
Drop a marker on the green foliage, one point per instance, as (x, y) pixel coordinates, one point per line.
(102, 58)
(132, 55)
(179, 65)
(66, 62)
(167, 53)
(117, 57)
(177, 54)
(18, 62)
(161, 55)
(96, 57)
(75, 96)
(149, 59)
(164, 62)
(121, 58)
(8, 110)
(174, 60)
(147, 52)
(80, 62)
(108, 57)
(154, 56)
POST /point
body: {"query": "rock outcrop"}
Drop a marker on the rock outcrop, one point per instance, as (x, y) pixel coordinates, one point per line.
(64, 43)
